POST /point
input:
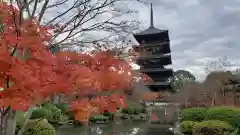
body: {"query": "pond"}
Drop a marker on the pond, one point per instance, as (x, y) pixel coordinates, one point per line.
(127, 128)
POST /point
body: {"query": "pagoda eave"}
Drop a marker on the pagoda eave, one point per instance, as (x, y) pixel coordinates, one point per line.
(147, 57)
(149, 70)
(150, 31)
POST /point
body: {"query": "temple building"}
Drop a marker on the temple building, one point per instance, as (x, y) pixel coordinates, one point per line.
(154, 54)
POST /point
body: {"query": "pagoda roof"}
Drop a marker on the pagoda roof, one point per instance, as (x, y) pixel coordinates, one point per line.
(151, 30)
(155, 70)
(153, 56)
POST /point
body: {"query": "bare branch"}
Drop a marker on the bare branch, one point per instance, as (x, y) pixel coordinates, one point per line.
(217, 65)
(34, 8)
(43, 10)
(75, 18)
(58, 3)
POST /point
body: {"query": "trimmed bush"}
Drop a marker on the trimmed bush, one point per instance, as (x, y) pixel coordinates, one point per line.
(108, 114)
(227, 114)
(134, 110)
(212, 127)
(186, 127)
(193, 114)
(128, 110)
(99, 118)
(40, 113)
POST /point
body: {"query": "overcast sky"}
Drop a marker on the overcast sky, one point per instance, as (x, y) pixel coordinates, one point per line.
(200, 30)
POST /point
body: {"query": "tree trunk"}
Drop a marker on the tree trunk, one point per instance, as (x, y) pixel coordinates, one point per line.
(8, 123)
(21, 131)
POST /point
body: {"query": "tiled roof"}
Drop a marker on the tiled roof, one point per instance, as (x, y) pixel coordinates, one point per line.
(150, 30)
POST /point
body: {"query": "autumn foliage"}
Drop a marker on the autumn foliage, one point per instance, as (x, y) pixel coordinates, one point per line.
(29, 73)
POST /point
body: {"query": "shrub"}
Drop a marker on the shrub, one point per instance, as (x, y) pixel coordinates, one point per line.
(39, 127)
(98, 118)
(40, 113)
(128, 110)
(227, 114)
(137, 109)
(63, 107)
(108, 114)
(186, 127)
(212, 127)
(55, 113)
(193, 114)
(70, 115)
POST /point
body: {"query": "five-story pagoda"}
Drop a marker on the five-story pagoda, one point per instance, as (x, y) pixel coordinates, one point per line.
(154, 54)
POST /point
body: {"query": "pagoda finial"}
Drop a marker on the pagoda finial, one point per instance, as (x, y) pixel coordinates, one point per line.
(151, 16)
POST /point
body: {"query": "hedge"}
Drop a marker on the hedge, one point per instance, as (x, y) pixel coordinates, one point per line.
(134, 110)
(129, 110)
(186, 127)
(193, 114)
(227, 114)
(212, 127)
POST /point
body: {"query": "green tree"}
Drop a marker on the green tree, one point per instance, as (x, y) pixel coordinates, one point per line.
(180, 78)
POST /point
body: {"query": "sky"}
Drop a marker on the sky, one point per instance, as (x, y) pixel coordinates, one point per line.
(199, 30)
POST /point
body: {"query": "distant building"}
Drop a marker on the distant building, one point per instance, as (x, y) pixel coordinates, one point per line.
(154, 54)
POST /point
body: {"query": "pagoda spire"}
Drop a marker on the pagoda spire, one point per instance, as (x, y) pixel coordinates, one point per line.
(151, 17)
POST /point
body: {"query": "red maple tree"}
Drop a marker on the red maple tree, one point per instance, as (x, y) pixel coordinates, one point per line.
(29, 72)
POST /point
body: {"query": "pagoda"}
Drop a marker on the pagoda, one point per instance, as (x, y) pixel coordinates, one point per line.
(154, 53)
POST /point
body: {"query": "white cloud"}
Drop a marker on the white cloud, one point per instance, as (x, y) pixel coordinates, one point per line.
(199, 30)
